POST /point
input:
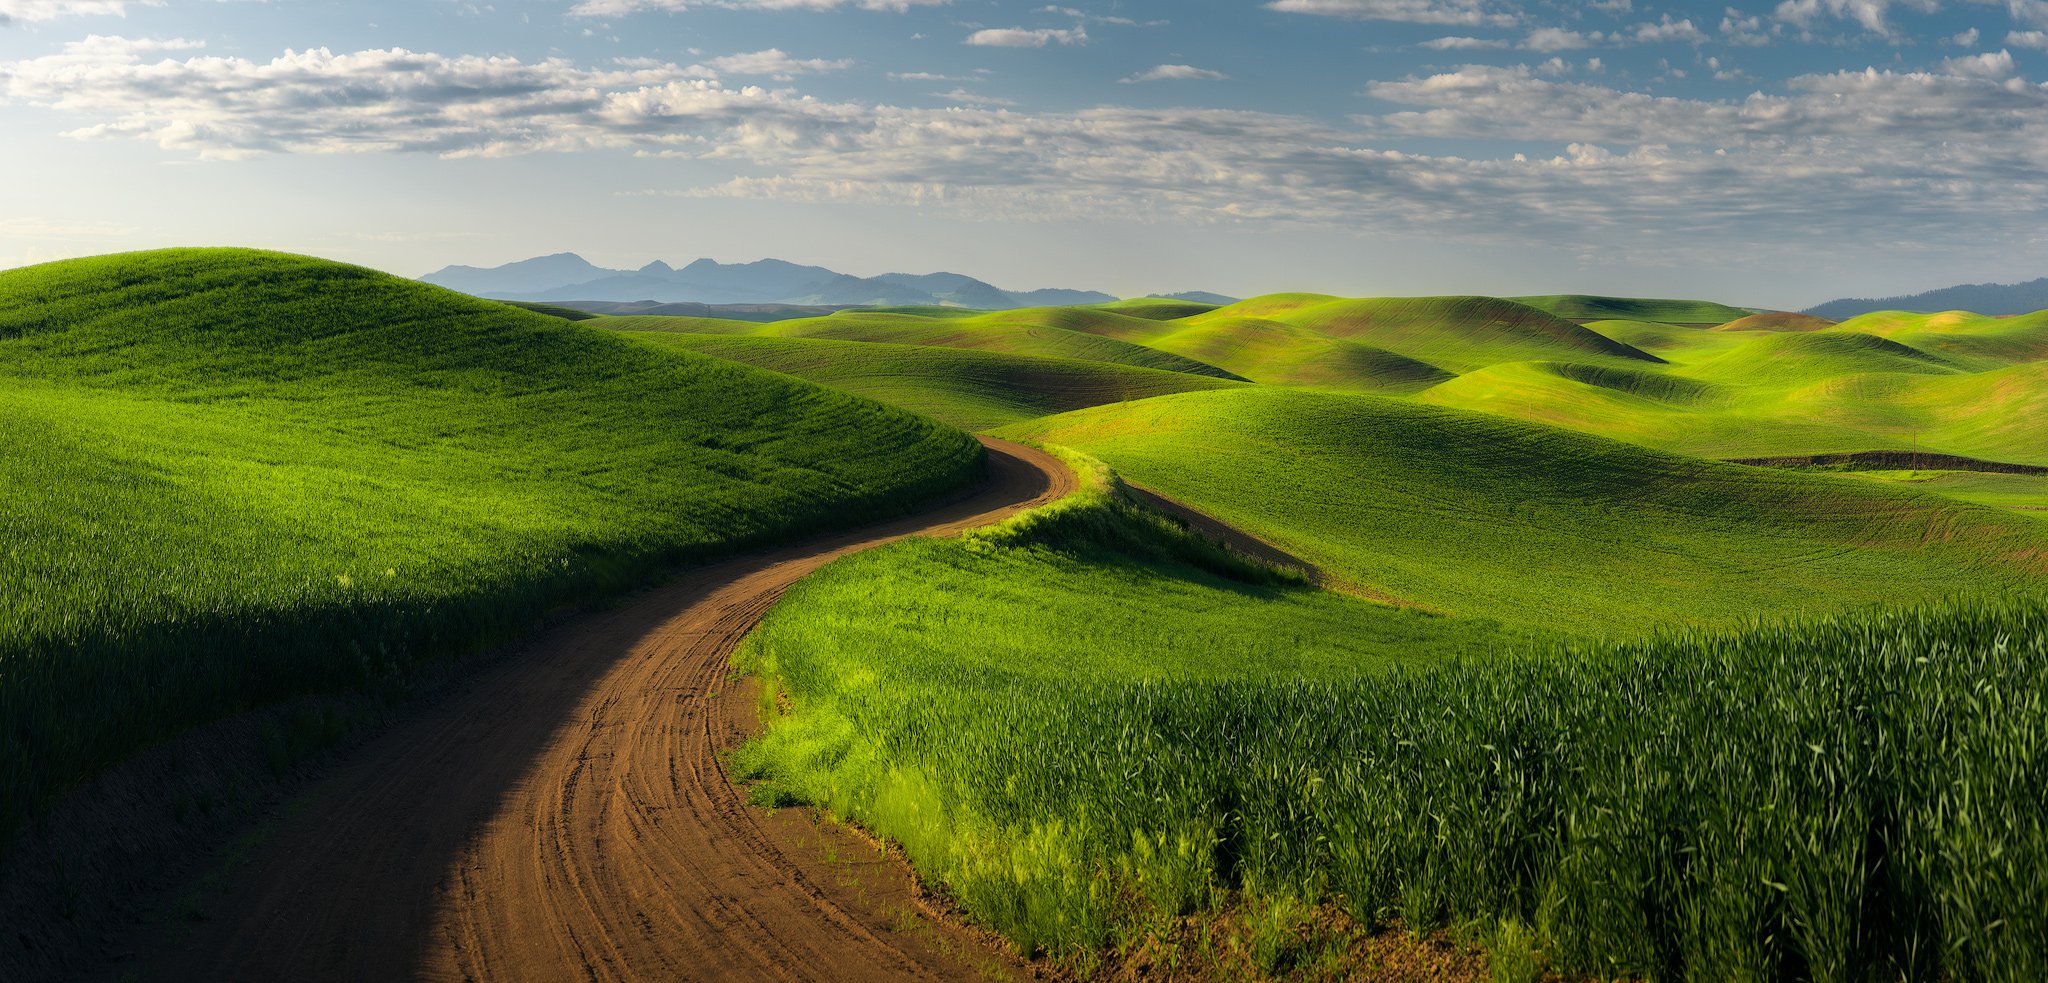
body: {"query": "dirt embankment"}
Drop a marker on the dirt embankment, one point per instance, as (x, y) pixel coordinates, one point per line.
(1891, 461)
(566, 814)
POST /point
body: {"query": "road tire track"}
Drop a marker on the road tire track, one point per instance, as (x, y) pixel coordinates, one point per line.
(566, 815)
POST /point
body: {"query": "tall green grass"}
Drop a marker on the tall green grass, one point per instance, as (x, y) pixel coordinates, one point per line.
(1843, 798)
(233, 477)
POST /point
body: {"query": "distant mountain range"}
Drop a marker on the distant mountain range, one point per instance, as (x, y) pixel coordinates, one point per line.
(1198, 297)
(569, 277)
(1980, 298)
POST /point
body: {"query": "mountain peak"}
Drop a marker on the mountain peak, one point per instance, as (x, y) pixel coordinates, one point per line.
(566, 277)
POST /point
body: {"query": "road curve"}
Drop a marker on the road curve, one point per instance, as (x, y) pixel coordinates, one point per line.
(565, 815)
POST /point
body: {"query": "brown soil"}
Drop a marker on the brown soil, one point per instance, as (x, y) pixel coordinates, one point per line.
(1320, 945)
(1891, 461)
(566, 814)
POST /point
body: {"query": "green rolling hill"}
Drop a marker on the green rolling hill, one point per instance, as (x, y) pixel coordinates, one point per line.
(1663, 374)
(1778, 321)
(1558, 630)
(1479, 516)
(1454, 333)
(967, 388)
(1008, 332)
(1782, 361)
(1279, 353)
(235, 477)
(1985, 342)
(1585, 307)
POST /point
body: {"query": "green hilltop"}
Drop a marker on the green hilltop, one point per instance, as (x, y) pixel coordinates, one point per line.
(968, 388)
(1483, 517)
(235, 477)
(1555, 629)
(1584, 307)
(1686, 376)
(1547, 621)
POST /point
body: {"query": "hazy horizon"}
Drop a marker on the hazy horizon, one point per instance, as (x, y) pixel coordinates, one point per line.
(1773, 154)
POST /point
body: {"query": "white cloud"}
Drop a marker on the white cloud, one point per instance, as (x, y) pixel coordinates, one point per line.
(615, 8)
(1996, 65)
(316, 101)
(2032, 13)
(1872, 15)
(1899, 117)
(967, 98)
(1466, 12)
(1464, 44)
(1966, 39)
(1878, 155)
(2028, 39)
(1750, 31)
(1667, 30)
(1018, 37)
(775, 62)
(1083, 15)
(46, 10)
(1169, 73)
(1549, 39)
(1558, 39)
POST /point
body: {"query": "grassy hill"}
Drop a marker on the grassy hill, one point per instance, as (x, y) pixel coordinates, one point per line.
(1584, 307)
(1984, 342)
(1006, 332)
(1780, 394)
(236, 476)
(1782, 360)
(1777, 321)
(967, 388)
(1653, 372)
(1291, 768)
(1157, 308)
(1454, 333)
(1480, 516)
(1279, 353)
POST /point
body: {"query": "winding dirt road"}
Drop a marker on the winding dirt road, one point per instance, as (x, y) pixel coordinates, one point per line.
(565, 815)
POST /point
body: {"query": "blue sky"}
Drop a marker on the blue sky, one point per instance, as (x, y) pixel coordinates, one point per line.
(1775, 153)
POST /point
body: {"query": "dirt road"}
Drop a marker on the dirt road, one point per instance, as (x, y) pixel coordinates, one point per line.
(566, 816)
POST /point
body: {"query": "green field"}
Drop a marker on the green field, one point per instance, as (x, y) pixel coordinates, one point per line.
(1578, 692)
(1583, 307)
(1479, 516)
(967, 388)
(235, 477)
(1640, 713)
(1695, 378)
(1688, 807)
(1052, 333)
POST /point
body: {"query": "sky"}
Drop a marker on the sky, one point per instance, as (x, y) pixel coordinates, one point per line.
(1773, 154)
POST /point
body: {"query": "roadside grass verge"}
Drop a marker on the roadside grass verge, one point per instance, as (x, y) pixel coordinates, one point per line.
(1088, 732)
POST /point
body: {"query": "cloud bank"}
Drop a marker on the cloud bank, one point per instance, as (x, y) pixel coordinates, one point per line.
(1880, 155)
